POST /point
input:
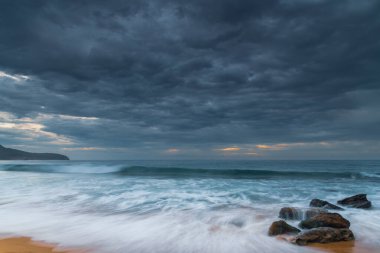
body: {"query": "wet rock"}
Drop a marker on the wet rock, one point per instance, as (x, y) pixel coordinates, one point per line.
(323, 235)
(311, 212)
(324, 204)
(357, 201)
(293, 213)
(281, 227)
(333, 220)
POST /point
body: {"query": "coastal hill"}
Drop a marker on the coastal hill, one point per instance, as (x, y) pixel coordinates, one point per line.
(14, 154)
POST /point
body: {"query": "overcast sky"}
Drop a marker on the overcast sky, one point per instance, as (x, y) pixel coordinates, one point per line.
(191, 79)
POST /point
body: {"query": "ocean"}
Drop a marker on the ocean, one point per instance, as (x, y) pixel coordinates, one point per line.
(177, 206)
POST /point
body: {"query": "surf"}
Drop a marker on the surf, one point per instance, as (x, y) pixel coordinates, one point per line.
(182, 172)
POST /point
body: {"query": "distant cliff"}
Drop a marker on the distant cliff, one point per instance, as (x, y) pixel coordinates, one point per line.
(14, 154)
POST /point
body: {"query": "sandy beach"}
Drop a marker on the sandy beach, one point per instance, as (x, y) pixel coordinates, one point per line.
(337, 247)
(27, 245)
(343, 247)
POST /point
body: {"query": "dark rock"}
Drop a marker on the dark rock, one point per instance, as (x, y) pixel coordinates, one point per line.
(324, 204)
(294, 213)
(333, 220)
(323, 235)
(357, 201)
(14, 154)
(311, 212)
(363, 205)
(291, 213)
(281, 227)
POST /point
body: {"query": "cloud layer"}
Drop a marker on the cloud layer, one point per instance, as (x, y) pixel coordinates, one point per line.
(199, 78)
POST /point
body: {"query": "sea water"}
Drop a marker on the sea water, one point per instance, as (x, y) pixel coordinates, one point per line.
(177, 206)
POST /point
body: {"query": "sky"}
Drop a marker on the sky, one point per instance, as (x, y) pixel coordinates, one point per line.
(191, 79)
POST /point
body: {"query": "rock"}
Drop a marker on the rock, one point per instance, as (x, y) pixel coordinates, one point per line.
(291, 213)
(323, 235)
(311, 212)
(357, 201)
(324, 204)
(333, 220)
(294, 213)
(281, 227)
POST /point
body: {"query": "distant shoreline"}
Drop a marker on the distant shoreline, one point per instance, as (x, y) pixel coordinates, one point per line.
(19, 155)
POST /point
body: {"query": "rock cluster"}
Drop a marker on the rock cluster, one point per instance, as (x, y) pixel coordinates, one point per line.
(318, 224)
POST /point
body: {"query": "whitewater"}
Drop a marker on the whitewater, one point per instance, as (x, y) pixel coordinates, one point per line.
(177, 206)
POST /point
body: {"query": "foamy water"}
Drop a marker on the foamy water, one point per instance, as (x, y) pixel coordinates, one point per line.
(177, 207)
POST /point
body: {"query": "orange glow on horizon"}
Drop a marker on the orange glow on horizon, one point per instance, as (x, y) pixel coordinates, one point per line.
(172, 150)
(230, 149)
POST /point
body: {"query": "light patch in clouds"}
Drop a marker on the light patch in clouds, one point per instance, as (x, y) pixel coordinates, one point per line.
(239, 151)
(272, 147)
(252, 154)
(172, 150)
(27, 128)
(17, 78)
(83, 149)
(35, 131)
(230, 149)
(6, 116)
(44, 116)
(283, 146)
(70, 117)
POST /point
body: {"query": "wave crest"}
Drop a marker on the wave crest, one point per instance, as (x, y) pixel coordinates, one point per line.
(178, 172)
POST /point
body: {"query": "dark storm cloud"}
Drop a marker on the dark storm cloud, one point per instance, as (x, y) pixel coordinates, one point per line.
(195, 73)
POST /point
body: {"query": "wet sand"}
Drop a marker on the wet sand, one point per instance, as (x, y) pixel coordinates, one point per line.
(27, 245)
(344, 247)
(336, 247)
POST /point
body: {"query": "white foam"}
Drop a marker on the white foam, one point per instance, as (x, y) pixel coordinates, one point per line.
(238, 230)
(189, 215)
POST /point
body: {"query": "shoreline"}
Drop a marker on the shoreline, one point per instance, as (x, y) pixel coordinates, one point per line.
(342, 247)
(24, 244)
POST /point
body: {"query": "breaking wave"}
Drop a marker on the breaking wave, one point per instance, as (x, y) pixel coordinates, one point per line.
(181, 172)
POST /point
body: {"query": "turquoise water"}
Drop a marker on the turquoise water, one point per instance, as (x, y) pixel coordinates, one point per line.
(177, 206)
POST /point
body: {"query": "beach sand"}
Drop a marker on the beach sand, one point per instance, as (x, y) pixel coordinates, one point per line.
(336, 247)
(27, 245)
(343, 247)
